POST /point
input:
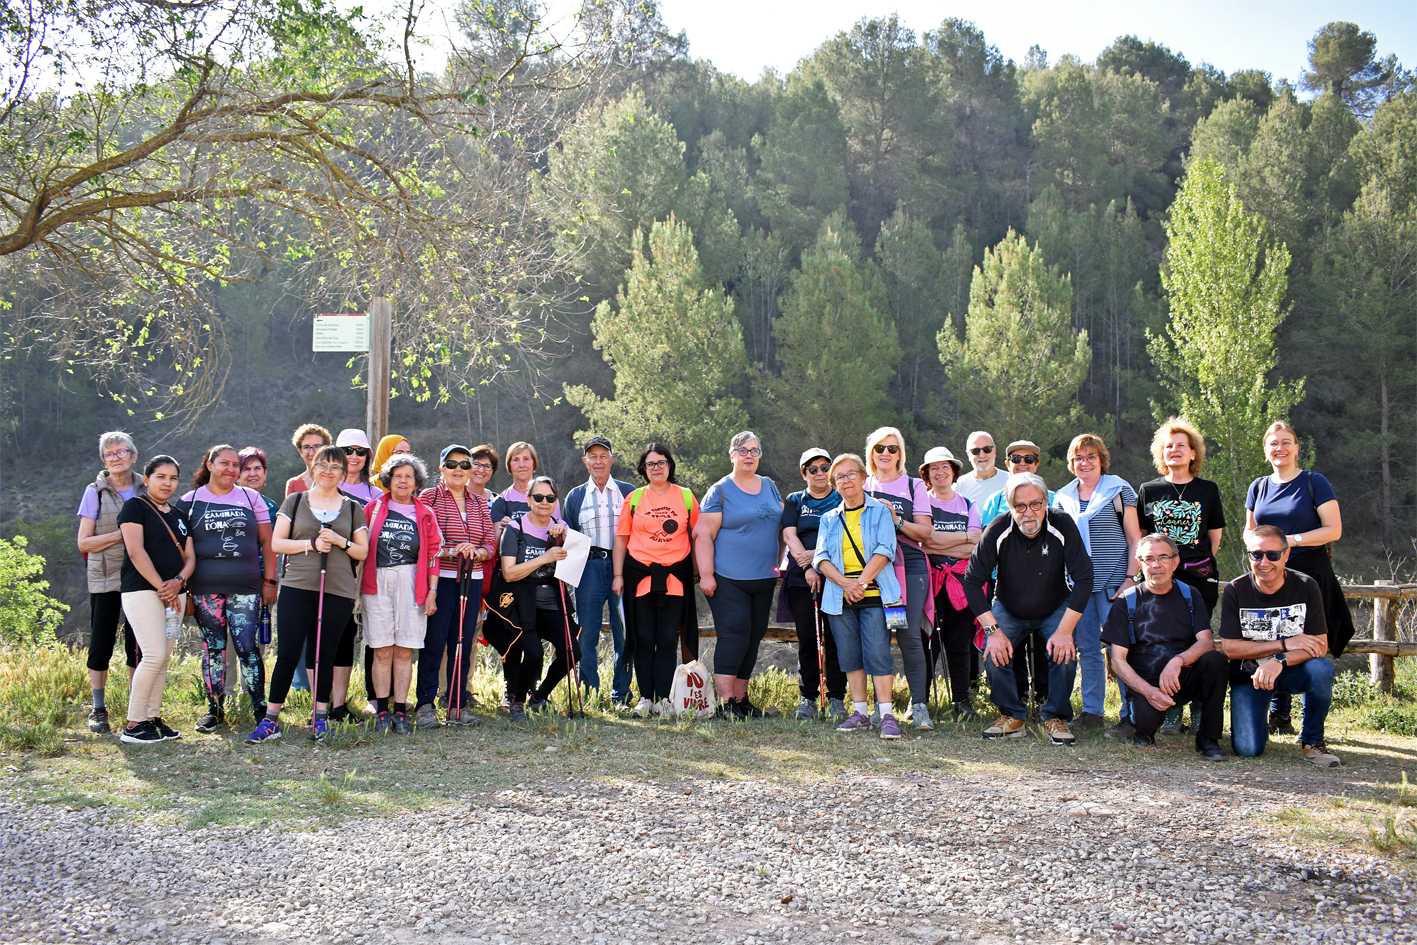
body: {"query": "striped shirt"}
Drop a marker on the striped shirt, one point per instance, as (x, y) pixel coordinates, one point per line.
(472, 523)
(1108, 543)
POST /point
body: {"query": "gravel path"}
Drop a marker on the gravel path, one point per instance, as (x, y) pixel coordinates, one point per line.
(1166, 855)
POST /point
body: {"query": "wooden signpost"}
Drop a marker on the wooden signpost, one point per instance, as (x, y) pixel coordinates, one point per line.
(372, 333)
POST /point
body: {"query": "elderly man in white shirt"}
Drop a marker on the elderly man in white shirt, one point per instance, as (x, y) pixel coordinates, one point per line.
(980, 483)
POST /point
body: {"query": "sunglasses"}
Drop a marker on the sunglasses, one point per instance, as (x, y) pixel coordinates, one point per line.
(814, 470)
(883, 448)
(1262, 555)
(540, 498)
(1023, 459)
(975, 451)
(356, 451)
(457, 464)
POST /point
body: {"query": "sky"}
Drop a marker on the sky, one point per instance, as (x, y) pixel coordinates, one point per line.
(745, 37)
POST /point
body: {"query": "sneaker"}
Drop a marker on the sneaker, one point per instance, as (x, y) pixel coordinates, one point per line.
(319, 729)
(1318, 754)
(1283, 725)
(98, 722)
(920, 713)
(836, 709)
(890, 728)
(468, 717)
(538, 704)
(1058, 732)
(1089, 720)
(858, 722)
(383, 723)
(517, 712)
(1122, 731)
(747, 710)
(1005, 727)
(665, 709)
(144, 733)
(726, 709)
(964, 712)
(166, 731)
(213, 720)
(266, 731)
(1172, 725)
(1144, 741)
(342, 713)
(806, 709)
(642, 710)
(399, 723)
(1209, 749)
(426, 717)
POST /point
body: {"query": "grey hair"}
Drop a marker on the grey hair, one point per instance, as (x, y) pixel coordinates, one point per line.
(980, 433)
(740, 438)
(385, 478)
(116, 436)
(1017, 481)
(1158, 538)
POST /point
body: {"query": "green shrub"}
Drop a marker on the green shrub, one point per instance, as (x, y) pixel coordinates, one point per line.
(1352, 690)
(28, 616)
(1393, 719)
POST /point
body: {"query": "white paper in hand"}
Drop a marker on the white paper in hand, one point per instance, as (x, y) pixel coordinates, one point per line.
(577, 547)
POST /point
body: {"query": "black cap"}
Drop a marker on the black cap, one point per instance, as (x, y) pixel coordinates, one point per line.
(597, 441)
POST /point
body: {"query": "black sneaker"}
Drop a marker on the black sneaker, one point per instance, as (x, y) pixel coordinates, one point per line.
(400, 725)
(98, 722)
(1122, 731)
(538, 704)
(964, 712)
(517, 712)
(213, 720)
(1143, 741)
(1209, 749)
(746, 709)
(1281, 725)
(384, 722)
(144, 733)
(1089, 720)
(166, 731)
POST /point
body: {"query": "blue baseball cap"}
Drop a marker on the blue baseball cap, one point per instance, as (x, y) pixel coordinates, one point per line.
(455, 448)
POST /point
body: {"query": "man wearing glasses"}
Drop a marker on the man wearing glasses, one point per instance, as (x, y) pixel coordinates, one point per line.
(1273, 630)
(1163, 651)
(985, 479)
(1037, 551)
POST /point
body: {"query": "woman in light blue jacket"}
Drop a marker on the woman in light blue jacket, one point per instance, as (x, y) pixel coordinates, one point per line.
(856, 553)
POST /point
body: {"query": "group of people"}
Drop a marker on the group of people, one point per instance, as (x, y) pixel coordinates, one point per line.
(980, 571)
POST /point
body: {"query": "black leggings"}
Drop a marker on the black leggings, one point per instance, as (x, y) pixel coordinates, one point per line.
(740, 619)
(296, 617)
(105, 614)
(522, 664)
(809, 673)
(954, 638)
(657, 619)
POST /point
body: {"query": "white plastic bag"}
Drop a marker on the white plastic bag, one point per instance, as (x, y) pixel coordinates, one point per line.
(692, 692)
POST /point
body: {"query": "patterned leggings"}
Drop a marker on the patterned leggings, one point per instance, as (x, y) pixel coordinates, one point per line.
(241, 615)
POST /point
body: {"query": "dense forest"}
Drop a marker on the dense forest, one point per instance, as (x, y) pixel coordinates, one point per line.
(816, 254)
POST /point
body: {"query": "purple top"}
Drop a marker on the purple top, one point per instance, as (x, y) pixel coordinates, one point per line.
(88, 505)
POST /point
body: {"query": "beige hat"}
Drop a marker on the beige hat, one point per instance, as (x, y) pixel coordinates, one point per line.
(938, 454)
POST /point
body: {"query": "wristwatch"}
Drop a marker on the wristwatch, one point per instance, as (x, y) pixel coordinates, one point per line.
(1282, 658)
(990, 629)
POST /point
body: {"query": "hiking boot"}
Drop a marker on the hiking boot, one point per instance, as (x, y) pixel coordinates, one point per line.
(858, 722)
(890, 728)
(319, 729)
(266, 731)
(1144, 741)
(1005, 727)
(383, 723)
(1058, 732)
(166, 731)
(1088, 721)
(836, 709)
(643, 709)
(806, 709)
(538, 704)
(213, 720)
(426, 717)
(517, 712)
(468, 717)
(1122, 731)
(747, 710)
(144, 733)
(1283, 725)
(1209, 749)
(1318, 754)
(1172, 725)
(399, 724)
(964, 712)
(98, 722)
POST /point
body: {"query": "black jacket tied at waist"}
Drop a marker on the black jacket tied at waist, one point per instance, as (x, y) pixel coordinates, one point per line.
(636, 571)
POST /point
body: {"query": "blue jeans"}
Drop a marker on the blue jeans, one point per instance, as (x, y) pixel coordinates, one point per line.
(441, 638)
(1088, 637)
(591, 598)
(862, 640)
(1003, 687)
(1249, 707)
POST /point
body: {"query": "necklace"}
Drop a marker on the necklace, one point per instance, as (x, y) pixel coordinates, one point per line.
(1181, 492)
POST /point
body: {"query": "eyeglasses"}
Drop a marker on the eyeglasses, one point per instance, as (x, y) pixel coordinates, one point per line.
(1023, 459)
(748, 451)
(540, 498)
(1035, 506)
(848, 475)
(885, 448)
(327, 467)
(657, 464)
(117, 454)
(356, 451)
(975, 451)
(457, 464)
(482, 467)
(814, 470)
(308, 449)
(1149, 560)
(1262, 555)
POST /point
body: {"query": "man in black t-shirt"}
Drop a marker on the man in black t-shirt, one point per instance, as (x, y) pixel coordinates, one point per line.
(1163, 651)
(1273, 630)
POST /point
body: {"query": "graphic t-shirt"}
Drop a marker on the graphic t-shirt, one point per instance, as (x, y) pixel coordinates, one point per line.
(659, 531)
(956, 516)
(302, 570)
(746, 546)
(512, 503)
(1187, 513)
(1165, 625)
(522, 541)
(362, 492)
(398, 541)
(162, 550)
(225, 534)
(1248, 614)
(88, 505)
(1289, 505)
(910, 498)
(803, 512)
(852, 547)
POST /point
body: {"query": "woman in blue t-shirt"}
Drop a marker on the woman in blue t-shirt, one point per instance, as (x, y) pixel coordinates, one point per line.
(736, 545)
(1305, 506)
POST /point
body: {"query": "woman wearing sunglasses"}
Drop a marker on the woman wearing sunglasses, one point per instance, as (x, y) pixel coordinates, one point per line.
(356, 478)
(802, 586)
(737, 547)
(461, 509)
(909, 501)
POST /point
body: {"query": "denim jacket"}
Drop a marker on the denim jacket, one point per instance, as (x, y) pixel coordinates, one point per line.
(878, 532)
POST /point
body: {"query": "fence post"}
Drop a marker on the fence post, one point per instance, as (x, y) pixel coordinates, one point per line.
(1384, 628)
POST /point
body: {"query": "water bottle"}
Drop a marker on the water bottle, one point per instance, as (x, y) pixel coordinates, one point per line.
(265, 625)
(173, 619)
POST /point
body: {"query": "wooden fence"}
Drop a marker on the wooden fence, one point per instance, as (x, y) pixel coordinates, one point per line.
(1384, 646)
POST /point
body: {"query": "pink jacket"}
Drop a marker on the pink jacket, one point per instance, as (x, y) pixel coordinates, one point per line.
(429, 538)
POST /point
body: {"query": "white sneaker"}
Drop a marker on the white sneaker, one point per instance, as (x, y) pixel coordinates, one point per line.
(643, 710)
(920, 714)
(666, 709)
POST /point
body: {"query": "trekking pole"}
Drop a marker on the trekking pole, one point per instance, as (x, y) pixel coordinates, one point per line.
(821, 658)
(455, 678)
(319, 626)
(572, 683)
